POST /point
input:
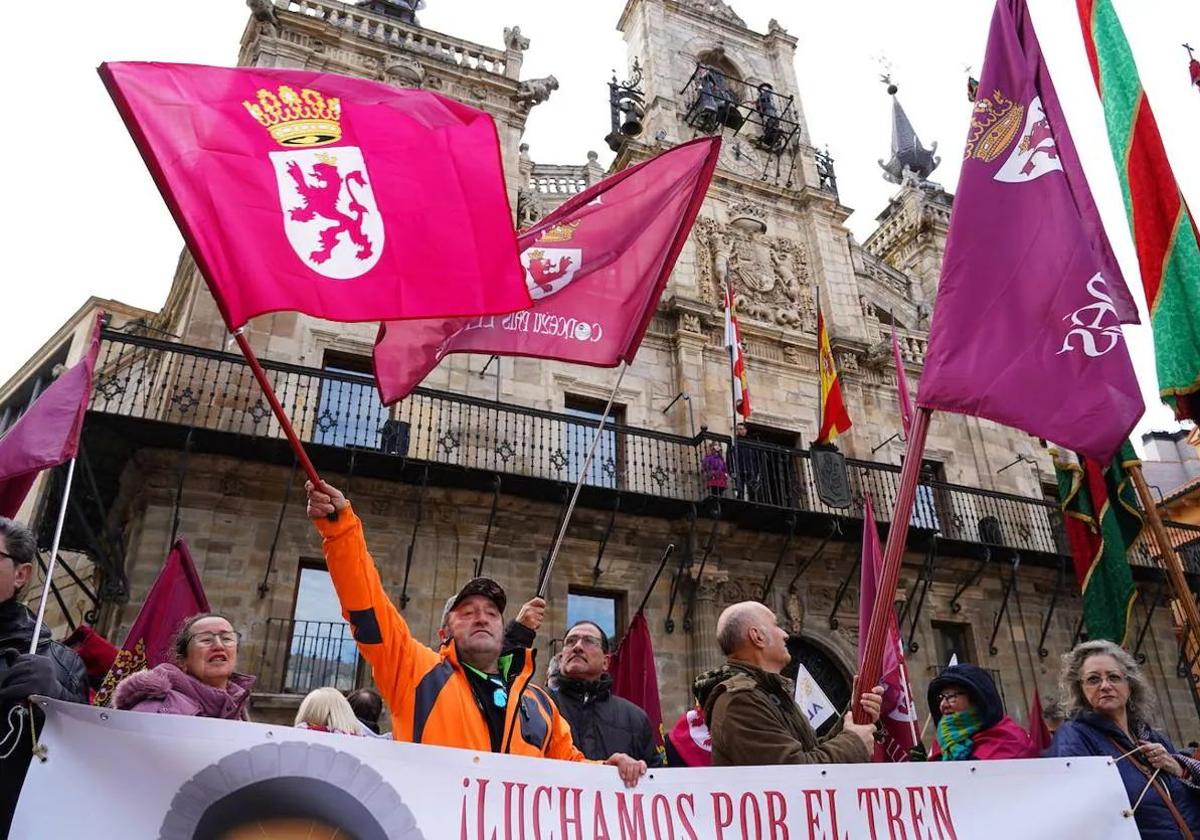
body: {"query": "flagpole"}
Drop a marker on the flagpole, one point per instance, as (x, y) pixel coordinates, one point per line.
(893, 556)
(58, 529)
(1170, 559)
(820, 384)
(587, 462)
(733, 413)
(284, 422)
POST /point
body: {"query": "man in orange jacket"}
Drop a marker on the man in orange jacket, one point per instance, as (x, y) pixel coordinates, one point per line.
(471, 693)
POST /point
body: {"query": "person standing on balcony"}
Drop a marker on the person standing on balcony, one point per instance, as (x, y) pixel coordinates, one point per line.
(716, 473)
(751, 708)
(601, 722)
(53, 671)
(472, 693)
(202, 682)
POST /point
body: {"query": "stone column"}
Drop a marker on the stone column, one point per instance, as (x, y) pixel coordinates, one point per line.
(703, 653)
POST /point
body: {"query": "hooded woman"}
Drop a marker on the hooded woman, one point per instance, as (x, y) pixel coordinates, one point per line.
(202, 682)
(970, 719)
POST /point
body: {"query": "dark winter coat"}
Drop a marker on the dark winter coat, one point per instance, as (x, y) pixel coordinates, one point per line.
(16, 632)
(167, 690)
(1001, 736)
(602, 723)
(753, 718)
(1093, 734)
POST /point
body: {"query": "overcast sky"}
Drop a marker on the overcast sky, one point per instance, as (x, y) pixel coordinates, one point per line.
(83, 218)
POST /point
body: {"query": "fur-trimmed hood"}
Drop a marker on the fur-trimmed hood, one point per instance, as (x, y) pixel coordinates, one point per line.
(168, 690)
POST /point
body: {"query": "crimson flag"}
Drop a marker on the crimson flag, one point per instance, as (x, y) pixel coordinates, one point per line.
(338, 197)
(898, 714)
(689, 743)
(1027, 323)
(177, 594)
(1039, 732)
(595, 269)
(906, 405)
(635, 676)
(48, 433)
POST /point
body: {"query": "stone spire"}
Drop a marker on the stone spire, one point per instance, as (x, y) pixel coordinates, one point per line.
(910, 160)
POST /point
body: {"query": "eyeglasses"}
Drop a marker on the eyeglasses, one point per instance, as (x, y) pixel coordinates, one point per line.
(949, 696)
(227, 639)
(583, 641)
(1097, 680)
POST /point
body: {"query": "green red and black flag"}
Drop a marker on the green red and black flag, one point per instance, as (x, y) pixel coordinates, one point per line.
(1164, 232)
(1102, 521)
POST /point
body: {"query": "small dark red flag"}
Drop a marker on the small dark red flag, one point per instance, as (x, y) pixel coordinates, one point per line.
(177, 594)
(634, 674)
(1039, 733)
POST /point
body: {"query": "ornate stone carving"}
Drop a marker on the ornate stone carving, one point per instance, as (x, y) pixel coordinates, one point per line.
(528, 212)
(404, 70)
(717, 9)
(769, 273)
(847, 361)
(793, 608)
(264, 13)
(478, 93)
(689, 322)
(791, 354)
(381, 507)
(232, 485)
(775, 28)
(535, 91)
(514, 40)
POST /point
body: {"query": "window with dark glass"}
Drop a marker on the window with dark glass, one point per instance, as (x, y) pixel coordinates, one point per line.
(605, 468)
(952, 639)
(604, 608)
(321, 650)
(349, 412)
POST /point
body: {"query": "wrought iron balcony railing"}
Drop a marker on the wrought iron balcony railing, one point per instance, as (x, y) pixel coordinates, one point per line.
(207, 389)
(298, 656)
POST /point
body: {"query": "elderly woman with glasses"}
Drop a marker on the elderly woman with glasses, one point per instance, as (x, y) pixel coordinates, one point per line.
(970, 720)
(1109, 708)
(202, 681)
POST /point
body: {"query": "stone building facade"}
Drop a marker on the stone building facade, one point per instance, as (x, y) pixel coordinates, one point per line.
(181, 443)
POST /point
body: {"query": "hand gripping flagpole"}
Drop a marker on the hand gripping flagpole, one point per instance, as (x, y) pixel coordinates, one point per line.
(893, 556)
(583, 469)
(58, 529)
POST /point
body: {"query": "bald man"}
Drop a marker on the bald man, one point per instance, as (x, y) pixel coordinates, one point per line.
(751, 708)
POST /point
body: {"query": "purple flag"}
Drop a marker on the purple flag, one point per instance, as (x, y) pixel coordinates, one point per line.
(906, 406)
(1027, 324)
(48, 433)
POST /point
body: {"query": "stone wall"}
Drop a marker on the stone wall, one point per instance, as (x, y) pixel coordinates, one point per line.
(230, 509)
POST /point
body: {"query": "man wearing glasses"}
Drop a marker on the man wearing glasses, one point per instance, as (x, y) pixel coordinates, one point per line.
(54, 671)
(472, 693)
(601, 722)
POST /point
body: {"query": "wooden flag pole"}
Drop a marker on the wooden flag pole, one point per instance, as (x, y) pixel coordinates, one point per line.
(284, 422)
(587, 462)
(893, 556)
(1170, 560)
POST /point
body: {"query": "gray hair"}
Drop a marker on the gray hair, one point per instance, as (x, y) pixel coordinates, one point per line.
(1140, 706)
(18, 540)
(733, 626)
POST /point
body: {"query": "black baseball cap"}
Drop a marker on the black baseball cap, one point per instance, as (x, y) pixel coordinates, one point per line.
(486, 587)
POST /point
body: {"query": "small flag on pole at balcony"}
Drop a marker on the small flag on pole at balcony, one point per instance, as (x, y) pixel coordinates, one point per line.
(1102, 521)
(1193, 66)
(177, 594)
(737, 357)
(595, 268)
(835, 419)
(337, 197)
(48, 433)
(1027, 323)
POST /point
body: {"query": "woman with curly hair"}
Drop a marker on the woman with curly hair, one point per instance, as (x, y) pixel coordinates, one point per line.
(1109, 709)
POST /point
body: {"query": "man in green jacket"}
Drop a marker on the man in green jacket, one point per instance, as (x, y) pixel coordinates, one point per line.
(751, 709)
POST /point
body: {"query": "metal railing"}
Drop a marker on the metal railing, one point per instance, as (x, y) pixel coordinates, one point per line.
(158, 380)
(298, 656)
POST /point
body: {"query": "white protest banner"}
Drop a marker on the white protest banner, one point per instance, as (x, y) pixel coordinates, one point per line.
(812, 699)
(128, 774)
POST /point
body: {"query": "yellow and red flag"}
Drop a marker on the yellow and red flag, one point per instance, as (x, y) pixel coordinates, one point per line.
(834, 417)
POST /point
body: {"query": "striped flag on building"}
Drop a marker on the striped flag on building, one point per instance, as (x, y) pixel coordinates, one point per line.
(737, 358)
(1164, 232)
(834, 418)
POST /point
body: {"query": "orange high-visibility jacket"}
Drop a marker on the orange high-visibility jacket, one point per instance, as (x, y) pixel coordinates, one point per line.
(427, 691)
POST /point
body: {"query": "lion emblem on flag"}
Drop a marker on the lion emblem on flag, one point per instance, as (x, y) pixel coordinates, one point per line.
(329, 211)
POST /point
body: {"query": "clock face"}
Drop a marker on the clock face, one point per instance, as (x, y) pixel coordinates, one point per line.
(738, 156)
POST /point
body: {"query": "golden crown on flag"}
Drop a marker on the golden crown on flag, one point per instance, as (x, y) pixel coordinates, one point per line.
(559, 233)
(994, 123)
(306, 118)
